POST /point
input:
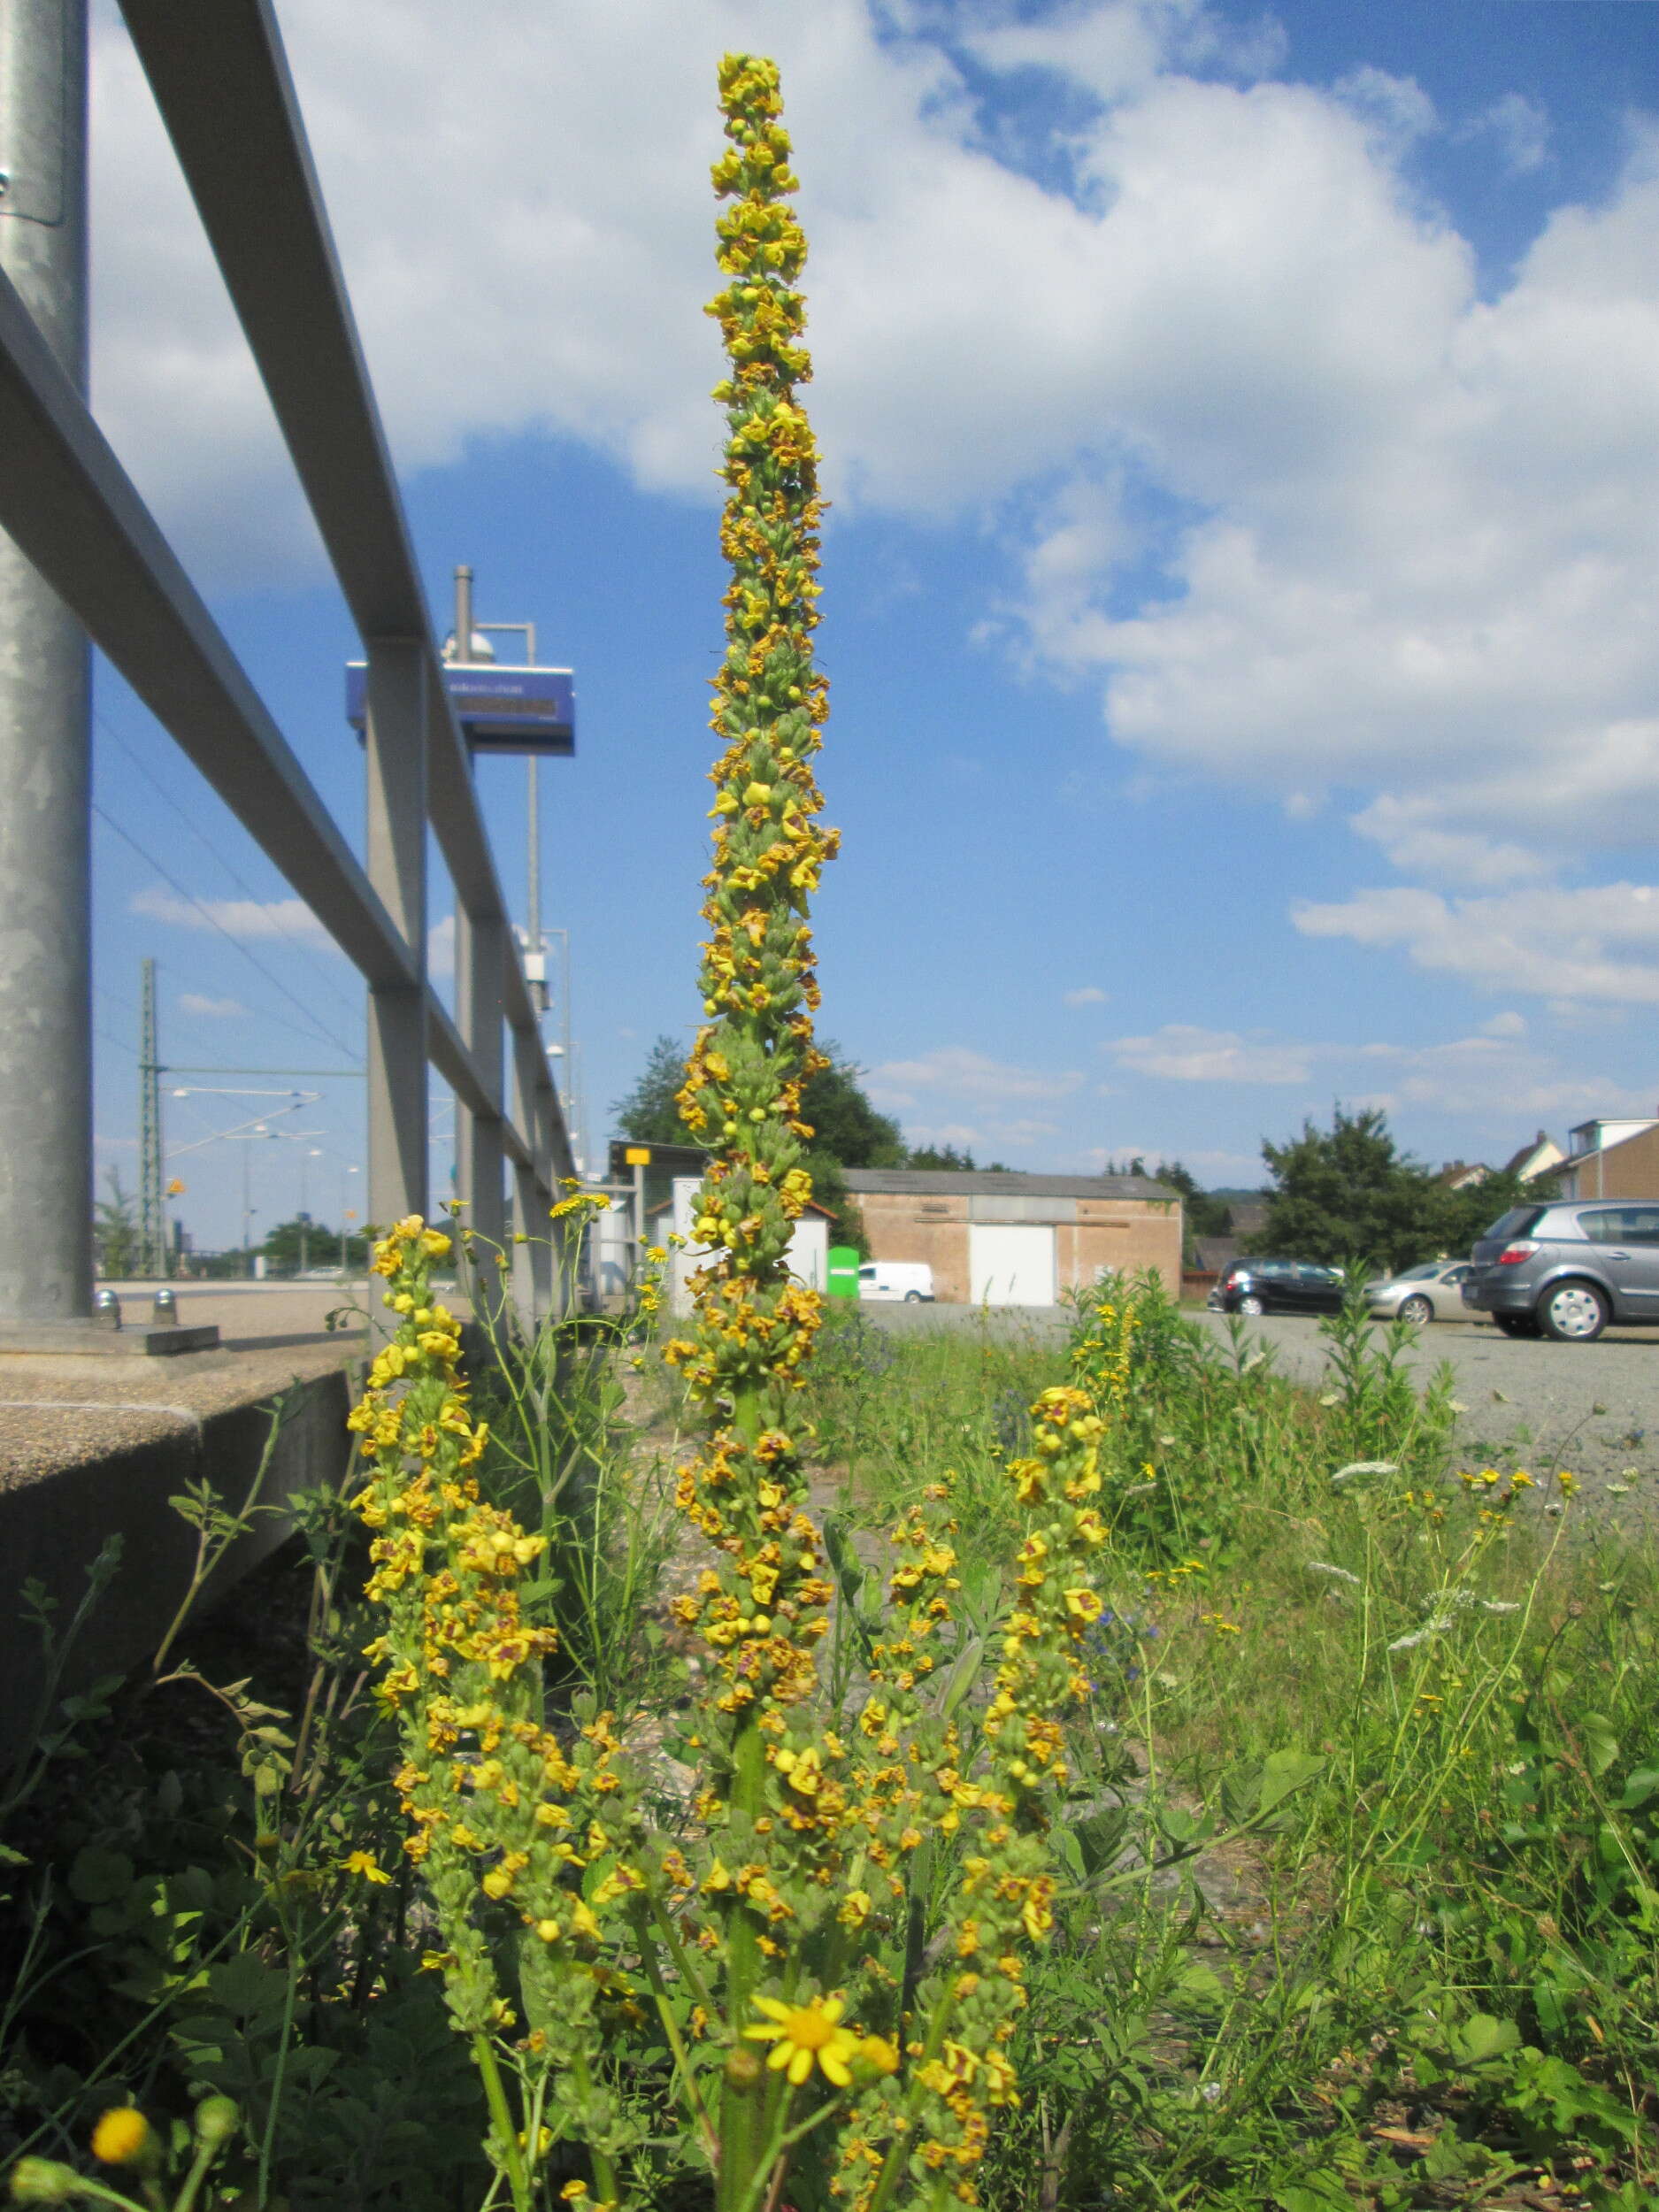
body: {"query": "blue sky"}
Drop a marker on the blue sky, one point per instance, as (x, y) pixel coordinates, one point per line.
(1243, 430)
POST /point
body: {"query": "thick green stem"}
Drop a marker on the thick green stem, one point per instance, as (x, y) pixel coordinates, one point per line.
(896, 2153)
(740, 2106)
(501, 2118)
(671, 2029)
(604, 2168)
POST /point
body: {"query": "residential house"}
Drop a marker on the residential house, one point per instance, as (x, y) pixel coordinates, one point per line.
(1537, 1158)
(1611, 1159)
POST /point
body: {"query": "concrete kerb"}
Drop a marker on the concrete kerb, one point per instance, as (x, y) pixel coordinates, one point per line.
(55, 1519)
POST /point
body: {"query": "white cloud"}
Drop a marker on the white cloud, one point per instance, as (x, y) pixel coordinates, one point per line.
(1600, 942)
(1493, 1076)
(1520, 128)
(953, 1070)
(1090, 994)
(440, 947)
(290, 919)
(207, 1008)
(1187, 1055)
(1405, 830)
(1396, 111)
(1419, 523)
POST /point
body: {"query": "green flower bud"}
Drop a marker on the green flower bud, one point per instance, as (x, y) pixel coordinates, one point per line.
(43, 2181)
(217, 2120)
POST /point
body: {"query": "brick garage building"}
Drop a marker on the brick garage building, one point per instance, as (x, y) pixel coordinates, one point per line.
(1019, 1239)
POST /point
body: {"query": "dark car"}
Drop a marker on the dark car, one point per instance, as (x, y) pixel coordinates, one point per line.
(1278, 1286)
(1565, 1270)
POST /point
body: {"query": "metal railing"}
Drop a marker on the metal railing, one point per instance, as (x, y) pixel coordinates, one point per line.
(221, 81)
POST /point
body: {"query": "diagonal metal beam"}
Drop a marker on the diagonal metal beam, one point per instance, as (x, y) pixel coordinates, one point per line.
(221, 81)
(75, 513)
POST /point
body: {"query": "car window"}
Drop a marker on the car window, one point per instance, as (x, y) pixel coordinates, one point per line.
(866, 1274)
(1621, 1225)
(1603, 1224)
(1419, 1274)
(1457, 1274)
(1308, 1272)
(1516, 1222)
(1272, 1270)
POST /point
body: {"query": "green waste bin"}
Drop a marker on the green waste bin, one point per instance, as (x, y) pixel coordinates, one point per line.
(843, 1272)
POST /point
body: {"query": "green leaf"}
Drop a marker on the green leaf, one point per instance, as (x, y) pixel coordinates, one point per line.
(963, 1673)
(1286, 1771)
(1484, 2036)
(1600, 1744)
(98, 1877)
(1316, 2192)
(246, 1983)
(1100, 1838)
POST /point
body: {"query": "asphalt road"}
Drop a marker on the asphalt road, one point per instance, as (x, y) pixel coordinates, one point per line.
(1593, 1408)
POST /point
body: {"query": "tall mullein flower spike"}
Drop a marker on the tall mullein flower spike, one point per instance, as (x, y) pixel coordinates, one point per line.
(765, 1610)
(526, 1838)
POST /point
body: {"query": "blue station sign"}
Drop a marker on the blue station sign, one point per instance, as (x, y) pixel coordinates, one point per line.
(500, 710)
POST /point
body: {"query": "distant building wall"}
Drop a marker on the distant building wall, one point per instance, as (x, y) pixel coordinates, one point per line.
(1091, 1236)
(901, 1226)
(1628, 1170)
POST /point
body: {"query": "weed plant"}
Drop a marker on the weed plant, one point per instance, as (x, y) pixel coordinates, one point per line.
(1387, 1720)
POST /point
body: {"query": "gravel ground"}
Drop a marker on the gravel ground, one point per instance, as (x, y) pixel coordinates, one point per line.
(1593, 1408)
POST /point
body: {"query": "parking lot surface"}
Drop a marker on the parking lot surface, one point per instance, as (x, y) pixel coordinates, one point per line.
(1593, 1408)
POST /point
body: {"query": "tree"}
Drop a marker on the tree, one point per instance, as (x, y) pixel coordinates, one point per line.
(115, 1227)
(1469, 1213)
(648, 1112)
(295, 1244)
(944, 1159)
(1347, 1193)
(1201, 1215)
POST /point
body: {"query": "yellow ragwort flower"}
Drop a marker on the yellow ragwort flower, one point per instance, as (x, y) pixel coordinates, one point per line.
(120, 2136)
(804, 2035)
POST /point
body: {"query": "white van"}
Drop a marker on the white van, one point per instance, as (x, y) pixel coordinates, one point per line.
(911, 1280)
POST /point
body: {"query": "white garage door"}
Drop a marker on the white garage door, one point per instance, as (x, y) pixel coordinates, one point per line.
(1011, 1265)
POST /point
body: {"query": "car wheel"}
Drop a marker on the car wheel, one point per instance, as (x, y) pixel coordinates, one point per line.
(1252, 1305)
(1517, 1323)
(1573, 1313)
(1417, 1311)
(913, 1297)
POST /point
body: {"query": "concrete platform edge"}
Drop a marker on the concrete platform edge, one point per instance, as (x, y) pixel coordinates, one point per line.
(52, 1528)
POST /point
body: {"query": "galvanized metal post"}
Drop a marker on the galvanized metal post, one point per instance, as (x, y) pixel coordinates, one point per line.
(395, 751)
(480, 953)
(152, 1205)
(531, 1193)
(45, 711)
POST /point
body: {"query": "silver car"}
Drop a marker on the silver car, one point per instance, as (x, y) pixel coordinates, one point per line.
(1565, 1269)
(1433, 1292)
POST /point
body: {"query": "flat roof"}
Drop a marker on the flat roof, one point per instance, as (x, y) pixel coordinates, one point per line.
(976, 1183)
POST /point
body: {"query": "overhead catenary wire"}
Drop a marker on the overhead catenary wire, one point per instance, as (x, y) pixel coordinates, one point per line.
(241, 881)
(316, 1028)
